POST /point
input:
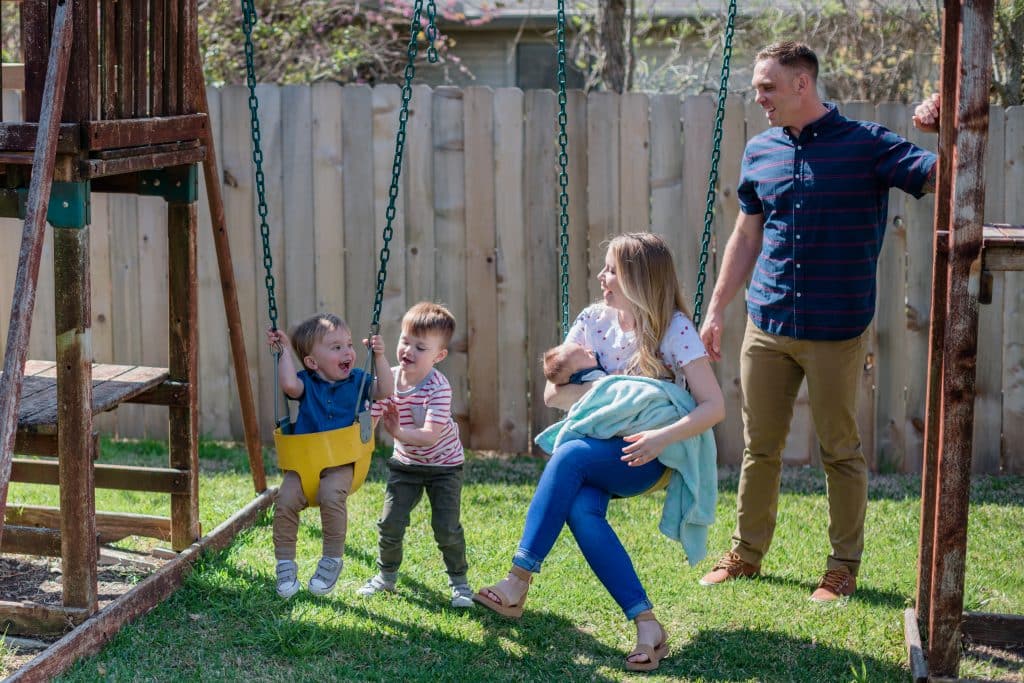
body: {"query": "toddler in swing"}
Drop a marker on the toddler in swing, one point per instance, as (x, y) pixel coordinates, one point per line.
(428, 454)
(572, 363)
(327, 389)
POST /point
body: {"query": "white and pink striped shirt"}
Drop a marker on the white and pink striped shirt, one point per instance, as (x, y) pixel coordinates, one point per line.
(429, 402)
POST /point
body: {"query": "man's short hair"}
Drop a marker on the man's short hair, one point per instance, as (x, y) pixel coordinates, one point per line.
(430, 318)
(790, 53)
(311, 330)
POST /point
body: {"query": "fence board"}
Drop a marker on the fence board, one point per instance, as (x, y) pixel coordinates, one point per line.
(1013, 311)
(126, 301)
(419, 188)
(240, 216)
(666, 184)
(698, 123)
(273, 155)
(890, 317)
(579, 248)
(635, 160)
(510, 222)
(153, 302)
(988, 381)
(602, 178)
(386, 103)
(362, 219)
(542, 268)
(216, 388)
(920, 216)
(299, 284)
(481, 268)
(729, 434)
(450, 238)
(329, 182)
(99, 262)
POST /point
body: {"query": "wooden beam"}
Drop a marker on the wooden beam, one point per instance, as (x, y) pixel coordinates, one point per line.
(988, 628)
(27, 276)
(98, 135)
(13, 76)
(32, 617)
(95, 168)
(24, 540)
(120, 477)
(915, 653)
(94, 633)
(21, 137)
(169, 393)
(110, 526)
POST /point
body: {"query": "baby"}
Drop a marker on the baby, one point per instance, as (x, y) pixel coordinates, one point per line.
(572, 363)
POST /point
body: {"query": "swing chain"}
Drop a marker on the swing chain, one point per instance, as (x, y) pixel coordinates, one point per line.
(396, 166)
(431, 33)
(563, 174)
(248, 22)
(716, 153)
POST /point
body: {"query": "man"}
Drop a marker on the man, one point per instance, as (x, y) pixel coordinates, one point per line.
(813, 198)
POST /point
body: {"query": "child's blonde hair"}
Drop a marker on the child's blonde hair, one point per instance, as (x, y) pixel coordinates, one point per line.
(427, 317)
(311, 330)
(647, 274)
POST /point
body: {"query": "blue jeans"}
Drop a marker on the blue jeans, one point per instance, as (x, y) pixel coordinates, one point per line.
(577, 483)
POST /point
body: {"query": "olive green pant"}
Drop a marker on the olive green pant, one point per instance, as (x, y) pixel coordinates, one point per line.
(771, 369)
(335, 485)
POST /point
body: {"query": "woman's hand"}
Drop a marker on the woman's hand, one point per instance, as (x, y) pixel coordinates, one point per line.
(645, 446)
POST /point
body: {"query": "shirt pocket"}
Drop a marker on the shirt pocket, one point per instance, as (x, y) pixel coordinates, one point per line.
(419, 414)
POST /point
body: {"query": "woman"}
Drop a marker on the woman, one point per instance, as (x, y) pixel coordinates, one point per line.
(640, 328)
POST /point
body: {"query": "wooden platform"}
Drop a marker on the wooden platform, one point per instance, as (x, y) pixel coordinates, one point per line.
(111, 386)
(1003, 247)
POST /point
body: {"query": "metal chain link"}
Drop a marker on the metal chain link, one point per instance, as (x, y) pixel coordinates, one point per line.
(716, 154)
(431, 33)
(248, 21)
(563, 174)
(396, 166)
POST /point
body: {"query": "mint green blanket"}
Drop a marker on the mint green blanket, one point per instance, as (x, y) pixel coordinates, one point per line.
(620, 405)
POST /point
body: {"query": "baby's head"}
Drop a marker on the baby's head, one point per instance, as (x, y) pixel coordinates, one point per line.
(324, 344)
(565, 359)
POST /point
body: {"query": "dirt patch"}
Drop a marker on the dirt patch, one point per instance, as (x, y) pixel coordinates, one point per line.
(38, 579)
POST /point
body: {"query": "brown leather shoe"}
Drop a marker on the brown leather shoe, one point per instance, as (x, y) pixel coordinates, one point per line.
(835, 584)
(731, 566)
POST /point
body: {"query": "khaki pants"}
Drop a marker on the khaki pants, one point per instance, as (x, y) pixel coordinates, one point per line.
(335, 484)
(772, 368)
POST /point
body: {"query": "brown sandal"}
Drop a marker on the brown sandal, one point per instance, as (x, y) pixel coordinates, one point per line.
(504, 605)
(654, 654)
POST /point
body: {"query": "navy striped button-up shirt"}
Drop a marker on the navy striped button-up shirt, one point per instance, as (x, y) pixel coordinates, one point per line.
(825, 198)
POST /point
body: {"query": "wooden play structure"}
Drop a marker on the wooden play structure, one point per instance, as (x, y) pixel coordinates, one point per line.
(966, 254)
(114, 101)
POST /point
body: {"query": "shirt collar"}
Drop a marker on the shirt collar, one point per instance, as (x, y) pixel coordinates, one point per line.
(827, 120)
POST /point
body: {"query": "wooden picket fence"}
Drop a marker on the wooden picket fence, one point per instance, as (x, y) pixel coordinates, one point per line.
(476, 228)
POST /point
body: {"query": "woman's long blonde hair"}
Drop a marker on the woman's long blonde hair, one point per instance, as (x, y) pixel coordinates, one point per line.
(647, 276)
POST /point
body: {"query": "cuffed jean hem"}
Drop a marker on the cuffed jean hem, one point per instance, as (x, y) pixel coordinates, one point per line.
(638, 608)
(459, 580)
(524, 559)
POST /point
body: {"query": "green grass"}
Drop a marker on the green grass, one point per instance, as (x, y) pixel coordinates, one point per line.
(226, 623)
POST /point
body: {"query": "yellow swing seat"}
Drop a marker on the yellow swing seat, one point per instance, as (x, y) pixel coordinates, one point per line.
(309, 454)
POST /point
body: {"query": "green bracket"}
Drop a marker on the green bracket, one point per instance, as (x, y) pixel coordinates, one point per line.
(178, 184)
(69, 204)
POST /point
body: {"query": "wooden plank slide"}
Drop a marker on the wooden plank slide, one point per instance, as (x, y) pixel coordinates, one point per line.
(93, 633)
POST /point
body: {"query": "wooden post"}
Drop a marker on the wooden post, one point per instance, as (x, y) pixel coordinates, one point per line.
(183, 358)
(961, 338)
(222, 245)
(25, 280)
(73, 314)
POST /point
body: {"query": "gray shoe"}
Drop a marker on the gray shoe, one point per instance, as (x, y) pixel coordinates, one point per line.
(287, 583)
(326, 575)
(462, 595)
(378, 584)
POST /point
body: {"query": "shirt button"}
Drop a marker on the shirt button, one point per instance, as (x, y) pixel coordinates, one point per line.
(798, 265)
(799, 147)
(798, 205)
(798, 294)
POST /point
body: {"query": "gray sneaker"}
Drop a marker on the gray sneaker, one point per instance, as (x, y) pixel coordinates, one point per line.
(326, 575)
(287, 583)
(462, 595)
(377, 584)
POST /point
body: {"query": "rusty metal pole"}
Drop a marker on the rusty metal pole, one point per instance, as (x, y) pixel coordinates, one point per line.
(43, 161)
(961, 338)
(228, 289)
(937, 327)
